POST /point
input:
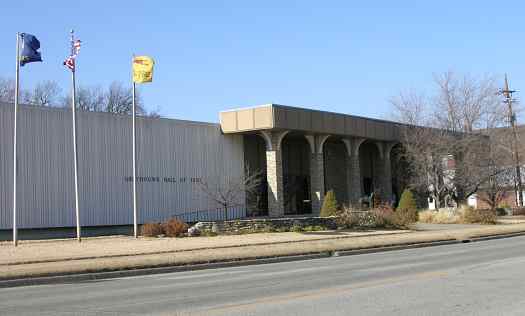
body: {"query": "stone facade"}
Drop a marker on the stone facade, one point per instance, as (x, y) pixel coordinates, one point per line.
(364, 219)
(274, 174)
(264, 224)
(348, 166)
(354, 180)
(387, 177)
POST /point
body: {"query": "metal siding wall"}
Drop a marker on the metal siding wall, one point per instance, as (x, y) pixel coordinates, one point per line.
(6, 165)
(166, 148)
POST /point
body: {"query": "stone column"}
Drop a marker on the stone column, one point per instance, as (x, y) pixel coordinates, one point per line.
(354, 172)
(387, 179)
(383, 174)
(355, 179)
(317, 185)
(387, 172)
(274, 173)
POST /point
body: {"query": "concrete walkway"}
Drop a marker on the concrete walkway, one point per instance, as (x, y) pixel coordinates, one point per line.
(43, 258)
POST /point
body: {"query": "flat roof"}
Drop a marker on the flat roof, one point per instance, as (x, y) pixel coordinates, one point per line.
(309, 121)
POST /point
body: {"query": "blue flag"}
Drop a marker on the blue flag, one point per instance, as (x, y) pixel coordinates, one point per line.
(30, 46)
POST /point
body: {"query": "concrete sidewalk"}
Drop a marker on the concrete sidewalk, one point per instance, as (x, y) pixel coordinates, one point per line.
(45, 258)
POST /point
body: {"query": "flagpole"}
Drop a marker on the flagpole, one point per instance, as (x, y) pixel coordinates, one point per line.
(15, 158)
(75, 154)
(135, 230)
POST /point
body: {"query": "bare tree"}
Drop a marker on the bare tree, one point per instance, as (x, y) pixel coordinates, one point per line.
(46, 93)
(427, 152)
(410, 108)
(450, 154)
(90, 98)
(119, 99)
(7, 92)
(87, 99)
(500, 167)
(228, 192)
(465, 104)
(116, 99)
(496, 188)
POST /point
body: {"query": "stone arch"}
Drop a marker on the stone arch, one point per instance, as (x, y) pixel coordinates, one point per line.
(336, 174)
(273, 139)
(280, 138)
(321, 140)
(296, 151)
(387, 148)
(370, 163)
(356, 144)
(311, 142)
(255, 147)
(267, 136)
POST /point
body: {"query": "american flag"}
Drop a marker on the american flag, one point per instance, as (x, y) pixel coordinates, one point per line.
(76, 47)
(70, 61)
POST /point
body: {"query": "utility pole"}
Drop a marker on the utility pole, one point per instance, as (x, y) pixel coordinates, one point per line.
(507, 93)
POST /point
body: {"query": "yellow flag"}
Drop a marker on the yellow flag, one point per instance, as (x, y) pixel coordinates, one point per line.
(143, 69)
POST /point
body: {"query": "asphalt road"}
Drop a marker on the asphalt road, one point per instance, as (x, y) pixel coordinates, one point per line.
(482, 278)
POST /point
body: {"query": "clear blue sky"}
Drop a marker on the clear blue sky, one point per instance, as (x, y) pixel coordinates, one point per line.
(342, 56)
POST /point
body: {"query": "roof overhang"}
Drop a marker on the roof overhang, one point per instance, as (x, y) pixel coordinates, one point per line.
(280, 117)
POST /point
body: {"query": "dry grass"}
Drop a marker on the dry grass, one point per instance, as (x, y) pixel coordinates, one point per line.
(475, 216)
(94, 247)
(439, 217)
(464, 215)
(403, 217)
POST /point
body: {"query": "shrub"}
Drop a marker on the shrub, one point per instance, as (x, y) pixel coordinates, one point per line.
(504, 205)
(500, 211)
(379, 217)
(347, 218)
(471, 215)
(296, 229)
(175, 228)
(329, 207)
(151, 229)
(445, 217)
(382, 216)
(426, 216)
(404, 217)
(407, 201)
(406, 212)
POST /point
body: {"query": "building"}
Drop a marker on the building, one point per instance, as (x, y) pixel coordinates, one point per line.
(301, 154)
(502, 139)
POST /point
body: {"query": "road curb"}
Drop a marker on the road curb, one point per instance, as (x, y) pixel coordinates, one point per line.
(499, 236)
(67, 278)
(82, 277)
